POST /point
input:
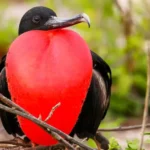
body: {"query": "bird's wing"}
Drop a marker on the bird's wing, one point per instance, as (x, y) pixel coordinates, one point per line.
(97, 99)
(103, 74)
(9, 120)
(4, 90)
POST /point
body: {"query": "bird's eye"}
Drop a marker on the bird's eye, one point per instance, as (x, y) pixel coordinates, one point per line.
(36, 19)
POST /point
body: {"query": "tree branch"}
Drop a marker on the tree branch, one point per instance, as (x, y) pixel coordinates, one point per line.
(147, 97)
(52, 111)
(134, 127)
(54, 147)
(15, 143)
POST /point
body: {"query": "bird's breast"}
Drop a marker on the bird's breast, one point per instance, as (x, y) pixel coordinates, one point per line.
(45, 68)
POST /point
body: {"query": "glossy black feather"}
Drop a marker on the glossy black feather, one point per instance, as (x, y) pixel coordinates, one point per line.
(97, 99)
(2, 64)
(105, 72)
(9, 120)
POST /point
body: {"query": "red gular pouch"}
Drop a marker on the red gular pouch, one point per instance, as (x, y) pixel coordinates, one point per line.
(45, 68)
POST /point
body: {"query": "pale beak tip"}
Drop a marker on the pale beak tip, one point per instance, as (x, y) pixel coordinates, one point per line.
(86, 19)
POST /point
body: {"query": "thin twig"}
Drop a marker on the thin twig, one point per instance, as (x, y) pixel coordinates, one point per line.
(12, 142)
(127, 23)
(77, 146)
(8, 147)
(39, 147)
(9, 103)
(52, 111)
(61, 140)
(147, 97)
(48, 128)
(134, 127)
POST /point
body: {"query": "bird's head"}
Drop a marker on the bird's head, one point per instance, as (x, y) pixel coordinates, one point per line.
(43, 18)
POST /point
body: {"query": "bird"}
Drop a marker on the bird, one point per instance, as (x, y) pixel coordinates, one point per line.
(97, 99)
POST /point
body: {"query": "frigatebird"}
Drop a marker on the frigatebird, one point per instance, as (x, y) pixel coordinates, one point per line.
(97, 99)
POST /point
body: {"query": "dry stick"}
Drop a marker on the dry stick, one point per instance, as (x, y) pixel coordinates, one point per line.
(52, 111)
(60, 139)
(54, 147)
(134, 127)
(12, 142)
(77, 146)
(147, 97)
(9, 103)
(48, 128)
(6, 147)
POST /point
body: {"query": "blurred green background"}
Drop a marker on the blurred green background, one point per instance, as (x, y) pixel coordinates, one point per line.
(118, 34)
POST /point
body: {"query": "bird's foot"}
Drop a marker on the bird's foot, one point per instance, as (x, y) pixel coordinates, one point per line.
(101, 141)
(33, 145)
(97, 144)
(19, 140)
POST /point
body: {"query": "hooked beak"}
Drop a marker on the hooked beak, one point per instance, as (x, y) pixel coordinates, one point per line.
(56, 22)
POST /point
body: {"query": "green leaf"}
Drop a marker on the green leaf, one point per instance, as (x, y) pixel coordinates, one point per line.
(113, 145)
(147, 133)
(133, 144)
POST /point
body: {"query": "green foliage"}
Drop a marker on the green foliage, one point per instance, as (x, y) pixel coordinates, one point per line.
(91, 143)
(5, 36)
(147, 133)
(132, 145)
(114, 145)
(147, 140)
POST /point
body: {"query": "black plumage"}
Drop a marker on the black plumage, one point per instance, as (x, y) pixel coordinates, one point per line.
(9, 120)
(97, 100)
